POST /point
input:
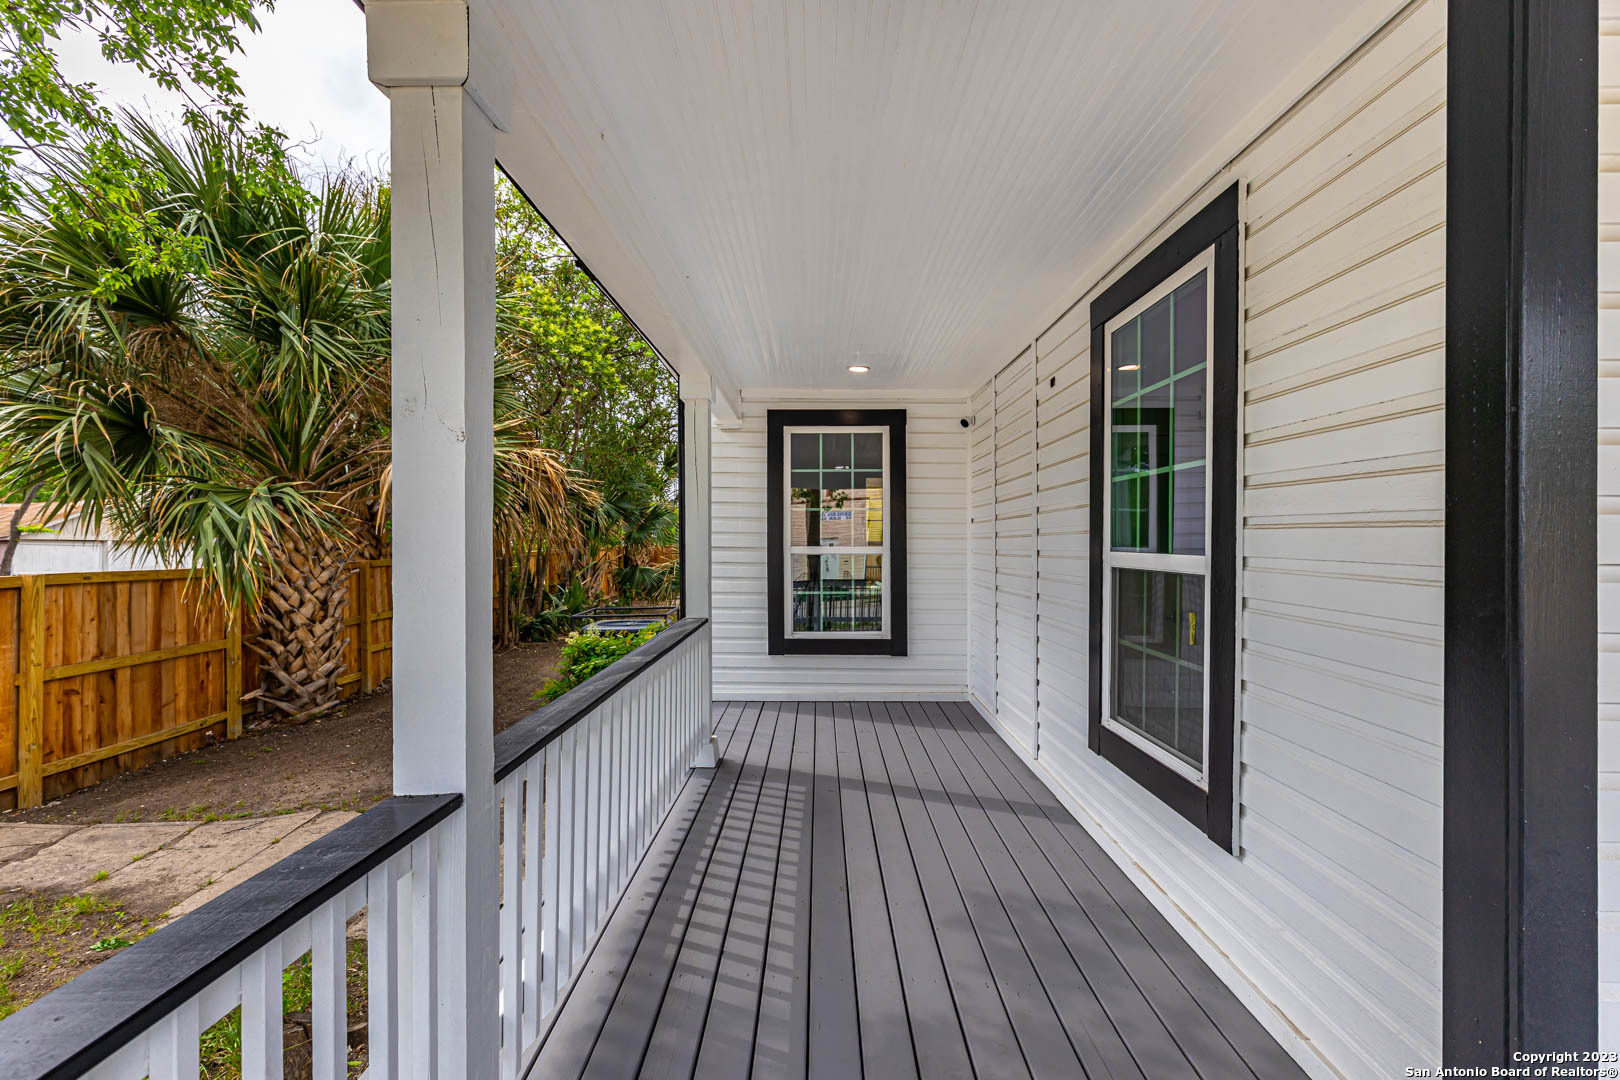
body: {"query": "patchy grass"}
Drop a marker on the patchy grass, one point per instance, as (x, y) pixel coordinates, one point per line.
(100, 875)
(201, 812)
(44, 942)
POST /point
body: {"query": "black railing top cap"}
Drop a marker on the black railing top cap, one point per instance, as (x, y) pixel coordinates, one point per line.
(86, 1021)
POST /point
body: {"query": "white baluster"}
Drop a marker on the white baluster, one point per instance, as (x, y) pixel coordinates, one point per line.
(622, 765)
(552, 900)
(621, 792)
(511, 910)
(600, 806)
(643, 767)
(173, 1045)
(569, 827)
(533, 777)
(610, 797)
(261, 1014)
(328, 967)
(382, 971)
(424, 959)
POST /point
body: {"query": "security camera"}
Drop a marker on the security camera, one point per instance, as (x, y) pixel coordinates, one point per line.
(967, 421)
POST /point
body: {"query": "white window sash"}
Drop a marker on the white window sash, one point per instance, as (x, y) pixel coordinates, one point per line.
(1196, 565)
(823, 549)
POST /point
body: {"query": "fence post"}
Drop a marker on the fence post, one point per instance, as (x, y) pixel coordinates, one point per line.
(233, 673)
(363, 628)
(31, 694)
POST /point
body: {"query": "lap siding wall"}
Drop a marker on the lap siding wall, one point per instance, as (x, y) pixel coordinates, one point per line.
(1608, 229)
(936, 568)
(1328, 920)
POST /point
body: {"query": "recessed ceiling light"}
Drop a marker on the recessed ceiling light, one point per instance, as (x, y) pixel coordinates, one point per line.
(859, 369)
(1130, 367)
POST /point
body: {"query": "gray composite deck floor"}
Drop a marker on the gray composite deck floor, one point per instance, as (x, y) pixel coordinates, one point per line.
(882, 889)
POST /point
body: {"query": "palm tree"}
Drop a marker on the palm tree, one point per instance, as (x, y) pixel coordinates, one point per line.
(634, 546)
(216, 384)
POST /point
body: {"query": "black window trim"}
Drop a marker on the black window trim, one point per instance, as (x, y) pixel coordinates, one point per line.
(777, 640)
(1212, 811)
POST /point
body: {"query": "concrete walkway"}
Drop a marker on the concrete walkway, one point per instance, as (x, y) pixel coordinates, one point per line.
(165, 866)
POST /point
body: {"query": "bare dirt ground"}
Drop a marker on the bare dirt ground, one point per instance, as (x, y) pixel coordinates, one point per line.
(343, 761)
(97, 870)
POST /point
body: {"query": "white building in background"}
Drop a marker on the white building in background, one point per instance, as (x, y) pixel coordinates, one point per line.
(65, 543)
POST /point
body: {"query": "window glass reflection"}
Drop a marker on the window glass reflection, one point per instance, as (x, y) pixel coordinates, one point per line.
(1160, 422)
(1157, 682)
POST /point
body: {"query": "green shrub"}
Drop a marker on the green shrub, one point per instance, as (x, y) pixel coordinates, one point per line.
(587, 652)
(556, 615)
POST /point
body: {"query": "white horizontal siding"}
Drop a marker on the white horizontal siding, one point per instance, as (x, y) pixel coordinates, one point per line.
(936, 568)
(1014, 422)
(1609, 524)
(982, 549)
(1329, 919)
(1063, 508)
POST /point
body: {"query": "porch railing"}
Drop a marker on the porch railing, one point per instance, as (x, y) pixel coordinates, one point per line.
(581, 787)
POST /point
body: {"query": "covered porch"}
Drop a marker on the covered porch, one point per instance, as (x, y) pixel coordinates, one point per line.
(883, 889)
(877, 803)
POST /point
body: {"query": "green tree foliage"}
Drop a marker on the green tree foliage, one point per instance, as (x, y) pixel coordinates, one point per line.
(596, 392)
(230, 404)
(181, 45)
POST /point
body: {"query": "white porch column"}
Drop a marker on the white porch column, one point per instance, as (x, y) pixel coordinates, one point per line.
(696, 562)
(443, 454)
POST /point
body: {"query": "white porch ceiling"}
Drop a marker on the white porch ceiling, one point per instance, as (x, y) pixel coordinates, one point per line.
(776, 190)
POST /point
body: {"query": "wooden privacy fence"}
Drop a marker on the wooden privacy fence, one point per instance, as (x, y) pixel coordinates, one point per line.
(103, 673)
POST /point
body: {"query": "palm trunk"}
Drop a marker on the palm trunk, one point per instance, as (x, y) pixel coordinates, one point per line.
(301, 634)
(14, 536)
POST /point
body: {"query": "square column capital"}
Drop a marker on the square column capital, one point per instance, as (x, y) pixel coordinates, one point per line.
(417, 42)
(696, 387)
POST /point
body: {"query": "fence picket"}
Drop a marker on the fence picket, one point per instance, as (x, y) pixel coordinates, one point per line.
(577, 808)
(165, 661)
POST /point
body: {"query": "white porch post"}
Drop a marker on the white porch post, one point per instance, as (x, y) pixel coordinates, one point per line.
(696, 564)
(443, 344)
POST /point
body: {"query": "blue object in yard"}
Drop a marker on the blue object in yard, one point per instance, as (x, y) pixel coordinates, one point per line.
(625, 620)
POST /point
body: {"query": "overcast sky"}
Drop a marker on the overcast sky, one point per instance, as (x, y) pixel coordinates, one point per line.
(304, 73)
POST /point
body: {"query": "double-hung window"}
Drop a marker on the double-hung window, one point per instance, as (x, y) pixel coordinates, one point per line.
(836, 531)
(1164, 441)
(1156, 551)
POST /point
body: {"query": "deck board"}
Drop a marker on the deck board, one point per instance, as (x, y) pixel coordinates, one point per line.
(834, 1032)
(884, 889)
(679, 1025)
(1030, 899)
(1200, 1013)
(885, 1032)
(726, 1048)
(937, 1032)
(976, 939)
